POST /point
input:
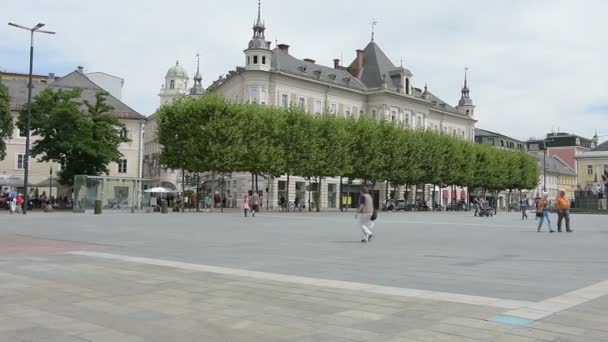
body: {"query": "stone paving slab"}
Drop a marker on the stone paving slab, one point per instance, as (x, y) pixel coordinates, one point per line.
(65, 297)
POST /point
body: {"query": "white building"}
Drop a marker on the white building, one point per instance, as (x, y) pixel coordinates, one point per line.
(110, 83)
(371, 85)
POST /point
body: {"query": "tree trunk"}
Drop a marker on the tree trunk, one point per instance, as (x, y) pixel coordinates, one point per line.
(348, 194)
(183, 190)
(212, 191)
(341, 195)
(318, 199)
(198, 185)
(287, 193)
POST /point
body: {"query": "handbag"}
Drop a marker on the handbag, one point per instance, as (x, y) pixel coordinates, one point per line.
(374, 215)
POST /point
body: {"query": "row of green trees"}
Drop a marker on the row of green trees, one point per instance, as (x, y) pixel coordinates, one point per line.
(212, 134)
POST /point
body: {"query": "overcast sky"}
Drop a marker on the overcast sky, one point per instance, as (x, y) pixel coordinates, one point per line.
(534, 65)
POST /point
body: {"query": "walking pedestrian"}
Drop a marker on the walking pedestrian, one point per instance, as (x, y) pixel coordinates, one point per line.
(255, 203)
(476, 203)
(246, 204)
(563, 211)
(543, 207)
(19, 202)
(364, 214)
(523, 206)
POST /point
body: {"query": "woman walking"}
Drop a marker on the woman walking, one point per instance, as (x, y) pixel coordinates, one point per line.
(246, 204)
(543, 207)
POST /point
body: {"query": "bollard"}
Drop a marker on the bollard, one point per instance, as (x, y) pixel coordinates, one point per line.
(97, 207)
(163, 205)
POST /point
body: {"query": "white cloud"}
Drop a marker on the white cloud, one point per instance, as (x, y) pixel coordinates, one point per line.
(534, 65)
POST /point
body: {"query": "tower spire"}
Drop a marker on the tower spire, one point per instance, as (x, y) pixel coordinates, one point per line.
(259, 21)
(373, 24)
(465, 87)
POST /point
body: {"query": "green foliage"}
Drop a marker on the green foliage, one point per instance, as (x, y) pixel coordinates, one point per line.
(84, 143)
(6, 120)
(213, 134)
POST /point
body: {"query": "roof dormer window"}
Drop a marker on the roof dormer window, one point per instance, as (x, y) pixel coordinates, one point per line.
(317, 73)
(302, 68)
(332, 77)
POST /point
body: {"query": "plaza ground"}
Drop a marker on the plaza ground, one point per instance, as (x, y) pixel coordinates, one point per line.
(300, 277)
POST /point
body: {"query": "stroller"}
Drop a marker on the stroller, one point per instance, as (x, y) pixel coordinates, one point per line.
(485, 209)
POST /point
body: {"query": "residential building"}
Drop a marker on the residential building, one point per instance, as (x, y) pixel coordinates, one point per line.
(110, 83)
(498, 140)
(591, 166)
(561, 144)
(555, 174)
(13, 164)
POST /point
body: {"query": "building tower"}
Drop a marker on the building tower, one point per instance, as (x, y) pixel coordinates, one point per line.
(176, 84)
(465, 104)
(197, 88)
(258, 54)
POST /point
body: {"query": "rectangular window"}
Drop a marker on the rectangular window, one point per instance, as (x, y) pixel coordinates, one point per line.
(393, 116)
(420, 122)
(301, 103)
(22, 132)
(348, 112)
(263, 59)
(253, 95)
(590, 170)
(255, 59)
(20, 161)
(285, 100)
(282, 190)
(407, 120)
(334, 108)
(263, 97)
(331, 195)
(122, 166)
(374, 114)
(318, 106)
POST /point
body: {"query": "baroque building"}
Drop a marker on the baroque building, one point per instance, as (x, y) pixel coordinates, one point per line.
(370, 85)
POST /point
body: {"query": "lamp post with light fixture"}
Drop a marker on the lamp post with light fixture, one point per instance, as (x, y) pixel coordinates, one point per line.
(32, 30)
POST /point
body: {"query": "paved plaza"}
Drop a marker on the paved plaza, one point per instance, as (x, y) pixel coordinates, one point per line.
(300, 277)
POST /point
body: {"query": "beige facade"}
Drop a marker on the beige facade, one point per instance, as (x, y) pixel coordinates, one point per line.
(591, 167)
(13, 164)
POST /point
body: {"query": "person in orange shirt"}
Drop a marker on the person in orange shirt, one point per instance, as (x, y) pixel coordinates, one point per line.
(563, 211)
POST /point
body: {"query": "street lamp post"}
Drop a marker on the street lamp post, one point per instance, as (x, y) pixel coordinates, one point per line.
(29, 108)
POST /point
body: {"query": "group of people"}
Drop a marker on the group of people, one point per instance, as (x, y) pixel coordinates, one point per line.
(251, 201)
(562, 206)
(13, 200)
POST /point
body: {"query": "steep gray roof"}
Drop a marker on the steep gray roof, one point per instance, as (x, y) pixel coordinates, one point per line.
(437, 103)
(17, 90)
(601, 147)
(482, 132)
(75, 79)
(554, 165)
(284, 62)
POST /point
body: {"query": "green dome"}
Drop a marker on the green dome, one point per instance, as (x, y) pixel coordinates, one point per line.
(177, 71)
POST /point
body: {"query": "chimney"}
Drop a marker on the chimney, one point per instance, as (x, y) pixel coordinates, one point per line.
(336, 63)
(309, 60)
(283, 47)
(80, 69)
(360, 54)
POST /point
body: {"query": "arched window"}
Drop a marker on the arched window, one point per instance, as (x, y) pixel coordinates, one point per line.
(468, 111)
(172, 84)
